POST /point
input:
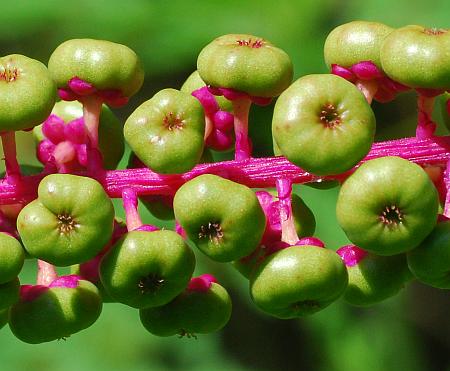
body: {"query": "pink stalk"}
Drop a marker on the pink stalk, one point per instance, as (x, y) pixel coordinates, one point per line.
(64, 153)
(10, 154)
(288, 232)
(368, 87)
(241, 110)
(46, 273)
(130, 204)
(447, 187)
(425, 124)
(254, 173)
(92, 106)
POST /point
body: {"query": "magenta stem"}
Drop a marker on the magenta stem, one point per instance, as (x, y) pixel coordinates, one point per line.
(10, 154)
(425, 124)
(368, 88)
(92, 106)
(254, 173)
(288, 232)
(46, 273)
(447, 187)
(241, 110)
(130, 204)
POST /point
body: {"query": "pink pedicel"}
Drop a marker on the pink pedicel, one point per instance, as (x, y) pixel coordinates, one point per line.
(367, 70)
(78, 88)
(232, 94)
(201, 283)
(32, 292)
(180, 230)
(430, 93)
(219, 140)
(310, 241)
(147, 228)
(351, 254)
(207, 100)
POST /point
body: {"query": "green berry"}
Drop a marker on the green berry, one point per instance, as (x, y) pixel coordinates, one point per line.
(70, 222)
(190, 313)
(12, 257)
(4, 317)
(298, 281)
(55, 312)
(103, 64)
(418, 57)
(9, 293)
(147, 269)
(388, 206)
(323, 124)
(355, 42)
(245, 63)
(222, 218)
(430, 261)
(166, 132)
(27, 93)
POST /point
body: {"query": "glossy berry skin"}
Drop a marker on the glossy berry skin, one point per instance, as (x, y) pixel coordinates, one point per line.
(224, 219)
(4, 317)
(51, 313)
(418, 57)
(355, 42)
(147, 269)
(9, 293)
(166, 132)
(430, 261)
(375, 278)
(298, 281)
(27, 92)
(190, 313)
(70, 221)
(110, 130)
(245, 63)
(323, 124)
(12, 257)
(103, 64)
(388, 206)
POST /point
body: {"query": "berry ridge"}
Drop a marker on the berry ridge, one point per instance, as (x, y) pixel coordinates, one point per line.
(323, 130)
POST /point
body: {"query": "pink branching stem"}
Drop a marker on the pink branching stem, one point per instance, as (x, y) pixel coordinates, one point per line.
(46, 273)
(241, 110)
(288, 232)
(130, 204)
(368, 87)
(254, 173)
(10, 154)
(425, 124)
(447, 187)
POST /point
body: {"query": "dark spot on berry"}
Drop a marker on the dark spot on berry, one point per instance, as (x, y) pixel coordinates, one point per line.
(66, 223)
(150, 284)
(213, 231)
(172, 122)
(391, 216)
(329, 116)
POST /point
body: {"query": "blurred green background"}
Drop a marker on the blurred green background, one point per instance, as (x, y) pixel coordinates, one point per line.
(408, 332)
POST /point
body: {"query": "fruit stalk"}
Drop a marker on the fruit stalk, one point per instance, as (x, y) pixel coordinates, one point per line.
(254, 173)
(368, 88)
(130, 204)
(10, 154)
(425, 124)
(288, 232)
(241, 109)
(46, 273)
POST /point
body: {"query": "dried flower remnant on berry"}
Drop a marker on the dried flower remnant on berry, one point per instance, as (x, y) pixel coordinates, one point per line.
(252, 43)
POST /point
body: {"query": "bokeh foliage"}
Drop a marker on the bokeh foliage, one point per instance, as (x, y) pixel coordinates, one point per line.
(407, 332)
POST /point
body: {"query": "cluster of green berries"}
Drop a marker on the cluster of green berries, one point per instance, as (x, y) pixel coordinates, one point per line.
(387, 206)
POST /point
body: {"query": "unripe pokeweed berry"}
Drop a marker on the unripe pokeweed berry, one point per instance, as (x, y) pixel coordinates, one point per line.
(4, 317)
(70, 221)
(418, 57)
(388, 206)
(355, 42)
(27, 93)
(192, 312)
(323, 124)
(445, 109)
(9, 293)
(12, 257)
(166, 132)
(298, 281)
(147, 269)
(111, 141)
(245, 63)
(224, 219)
(430, 261)
(372, 278)
(103, 64)
(45, 313)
